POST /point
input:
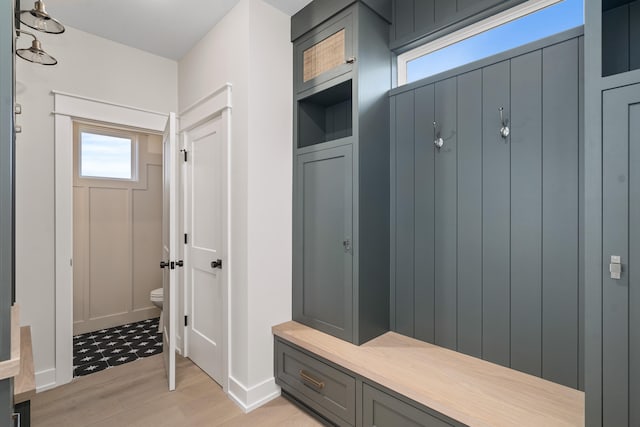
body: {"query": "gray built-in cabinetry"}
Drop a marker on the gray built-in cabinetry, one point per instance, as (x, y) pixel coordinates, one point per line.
(486, 249)
(6, 199)
(612, 183)
(345, 398)
(416, 22)
(342, 73)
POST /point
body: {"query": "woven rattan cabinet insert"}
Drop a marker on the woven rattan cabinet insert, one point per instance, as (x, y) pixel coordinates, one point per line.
(324, 53)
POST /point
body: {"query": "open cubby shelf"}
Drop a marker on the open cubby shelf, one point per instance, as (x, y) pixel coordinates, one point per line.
(326, 115)
(620, 36)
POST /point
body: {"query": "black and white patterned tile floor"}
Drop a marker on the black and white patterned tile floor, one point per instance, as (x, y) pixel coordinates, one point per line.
(106, 348)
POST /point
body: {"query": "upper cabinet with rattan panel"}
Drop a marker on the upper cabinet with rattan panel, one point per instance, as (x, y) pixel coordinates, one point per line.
(326, 38)
(325, 53)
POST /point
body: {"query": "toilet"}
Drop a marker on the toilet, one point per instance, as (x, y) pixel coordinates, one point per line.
(157, 297)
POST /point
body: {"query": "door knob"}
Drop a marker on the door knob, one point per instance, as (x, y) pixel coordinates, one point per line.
(164, 264)
(216, 264)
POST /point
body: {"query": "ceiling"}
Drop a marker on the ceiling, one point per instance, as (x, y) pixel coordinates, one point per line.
(167, 28)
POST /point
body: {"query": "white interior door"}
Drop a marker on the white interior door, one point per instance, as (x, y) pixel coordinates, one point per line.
(204, 261)
(169, 248)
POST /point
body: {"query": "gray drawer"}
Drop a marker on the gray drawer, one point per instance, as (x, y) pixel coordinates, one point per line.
(306, 377)
(382, 410)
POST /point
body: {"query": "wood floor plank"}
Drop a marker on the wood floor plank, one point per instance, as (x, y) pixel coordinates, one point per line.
(135, 394)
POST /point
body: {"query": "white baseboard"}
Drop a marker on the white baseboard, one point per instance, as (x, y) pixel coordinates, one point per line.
(45, 380)
(250, 398)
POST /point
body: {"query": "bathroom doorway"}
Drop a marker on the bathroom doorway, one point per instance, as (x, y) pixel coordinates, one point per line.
(117, 243)
(117, 226)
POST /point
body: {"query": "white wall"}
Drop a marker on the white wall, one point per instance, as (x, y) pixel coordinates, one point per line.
(250, 48)
(270, 182)
(88, 66)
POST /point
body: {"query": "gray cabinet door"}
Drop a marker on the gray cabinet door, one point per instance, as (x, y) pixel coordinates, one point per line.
(332, 390)
(324, 54)
(621, 237)
(382, 410)
(322, 251)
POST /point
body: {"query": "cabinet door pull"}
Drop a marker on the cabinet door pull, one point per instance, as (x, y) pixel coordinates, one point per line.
(309, 379)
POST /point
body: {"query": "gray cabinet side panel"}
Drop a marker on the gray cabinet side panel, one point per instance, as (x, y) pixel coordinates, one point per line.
(404, 213)
(560, 213)
(634, 263)
(593, 217)
(526, 213)
(615, 40)
(634, 35)
(392, 213)
(372, 305)
(495, 214)
(470, 213)
(6, 176)
(446, 200)
(424, 305)
(581, 215)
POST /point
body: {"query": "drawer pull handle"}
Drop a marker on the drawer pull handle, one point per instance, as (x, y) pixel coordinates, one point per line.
(309, 379)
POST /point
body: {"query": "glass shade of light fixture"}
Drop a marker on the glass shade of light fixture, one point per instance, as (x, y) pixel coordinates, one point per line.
(35, 53)
(38, 19)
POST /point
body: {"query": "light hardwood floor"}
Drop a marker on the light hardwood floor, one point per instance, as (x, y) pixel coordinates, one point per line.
(135, 394)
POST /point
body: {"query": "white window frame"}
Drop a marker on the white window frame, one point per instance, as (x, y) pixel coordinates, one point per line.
(501, 18)
(117, 133)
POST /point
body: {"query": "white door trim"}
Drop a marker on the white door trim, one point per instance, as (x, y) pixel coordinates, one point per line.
(218, 103)
(67, 108)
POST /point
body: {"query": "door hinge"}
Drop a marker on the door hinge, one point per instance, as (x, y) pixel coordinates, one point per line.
(186, 321)
(186, 238)
(186, 156)
(172, 265)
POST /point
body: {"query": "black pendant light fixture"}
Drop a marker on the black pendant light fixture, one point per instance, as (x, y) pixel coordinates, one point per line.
(35, 53)
(38, 19)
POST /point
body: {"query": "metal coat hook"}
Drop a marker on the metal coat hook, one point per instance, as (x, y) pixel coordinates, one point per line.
(504, 130)
(438, 142)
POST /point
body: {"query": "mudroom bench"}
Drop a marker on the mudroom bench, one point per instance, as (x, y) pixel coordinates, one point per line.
(396, 381)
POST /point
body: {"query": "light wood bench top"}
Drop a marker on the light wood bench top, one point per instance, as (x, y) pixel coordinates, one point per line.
(472, 391)
(25, 383)
(11, 367)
